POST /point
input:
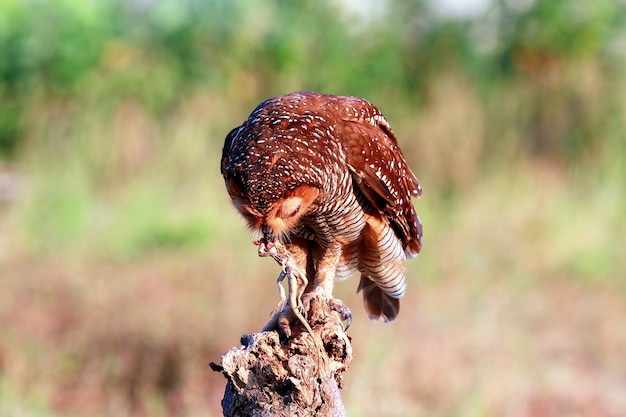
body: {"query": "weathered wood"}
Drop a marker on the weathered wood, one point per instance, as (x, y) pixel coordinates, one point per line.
(270, 377)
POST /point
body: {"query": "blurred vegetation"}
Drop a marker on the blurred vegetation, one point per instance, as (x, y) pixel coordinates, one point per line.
(112, 118)
(96, 94)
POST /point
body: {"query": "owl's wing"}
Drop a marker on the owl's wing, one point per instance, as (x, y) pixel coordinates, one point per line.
(381, 172)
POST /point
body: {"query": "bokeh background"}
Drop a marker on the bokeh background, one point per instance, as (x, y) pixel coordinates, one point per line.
(124, 271)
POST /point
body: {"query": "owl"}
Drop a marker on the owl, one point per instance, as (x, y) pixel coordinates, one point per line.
(324, 176)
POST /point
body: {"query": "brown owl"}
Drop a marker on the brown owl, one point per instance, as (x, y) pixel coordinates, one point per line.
(324, 176)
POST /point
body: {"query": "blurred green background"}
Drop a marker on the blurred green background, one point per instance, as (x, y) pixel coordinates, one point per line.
(124, 271)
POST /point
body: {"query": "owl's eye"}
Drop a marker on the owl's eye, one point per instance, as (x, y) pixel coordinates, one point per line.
(290, 207)
(292, 213)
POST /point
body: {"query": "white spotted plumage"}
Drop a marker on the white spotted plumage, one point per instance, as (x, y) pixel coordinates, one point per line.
(344, 148)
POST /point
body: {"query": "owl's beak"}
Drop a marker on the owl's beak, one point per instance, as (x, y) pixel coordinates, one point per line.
(268, 234)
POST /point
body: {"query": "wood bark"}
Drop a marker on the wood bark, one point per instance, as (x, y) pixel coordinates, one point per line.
(270, 375)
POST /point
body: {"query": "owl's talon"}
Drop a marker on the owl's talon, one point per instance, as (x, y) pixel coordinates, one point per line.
(283, 327)
(347, 317)
(280, 322)
(343, 310)
(335, 305)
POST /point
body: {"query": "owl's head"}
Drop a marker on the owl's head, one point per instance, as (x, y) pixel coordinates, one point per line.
(274, 216)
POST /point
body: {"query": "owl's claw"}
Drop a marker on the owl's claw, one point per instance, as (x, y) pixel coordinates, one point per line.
(335, 304)
(344, 312)
(296, 283)
(280, 322)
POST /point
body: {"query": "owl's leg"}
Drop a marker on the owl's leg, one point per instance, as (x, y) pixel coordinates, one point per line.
(295, 261)
(325, 271)
(296, 283)
(326, 268)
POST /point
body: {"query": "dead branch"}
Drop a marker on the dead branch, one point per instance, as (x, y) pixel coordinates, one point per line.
(270, 377)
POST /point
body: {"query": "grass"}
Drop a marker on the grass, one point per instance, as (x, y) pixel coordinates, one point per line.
(514, 307)
(125, 271)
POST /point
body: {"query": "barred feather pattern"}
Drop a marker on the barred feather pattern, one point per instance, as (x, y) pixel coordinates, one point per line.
(328, 170)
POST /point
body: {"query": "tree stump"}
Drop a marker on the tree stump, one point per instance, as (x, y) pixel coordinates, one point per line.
(268, 376)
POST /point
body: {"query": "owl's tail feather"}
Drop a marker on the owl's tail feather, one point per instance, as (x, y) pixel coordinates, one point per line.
(378, 304)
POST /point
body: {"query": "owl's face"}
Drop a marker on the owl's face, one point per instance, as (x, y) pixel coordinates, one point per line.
(276, 217)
